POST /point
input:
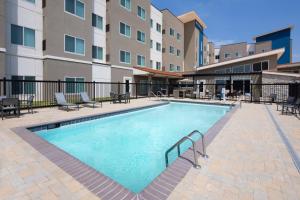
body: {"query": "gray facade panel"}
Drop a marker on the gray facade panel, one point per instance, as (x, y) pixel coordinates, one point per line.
(59, 70)
(2, 65)
(2, 24)
(171, 21)
(58, 22)
(117, 42)
(118, 74)
(191, 35)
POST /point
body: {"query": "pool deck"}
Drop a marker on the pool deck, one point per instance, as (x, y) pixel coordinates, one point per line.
(247, 160)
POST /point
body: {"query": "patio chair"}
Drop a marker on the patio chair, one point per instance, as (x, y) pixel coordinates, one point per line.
(8, 105)
(292, 107)
(289, 101)
(85, 99)
(29, 104)
(61, 102)
(114, 97)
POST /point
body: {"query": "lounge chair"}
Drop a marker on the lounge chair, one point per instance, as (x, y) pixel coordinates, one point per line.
(8, 105)
(61, 102)
(114, 98)
(85, 99)
(289, 101)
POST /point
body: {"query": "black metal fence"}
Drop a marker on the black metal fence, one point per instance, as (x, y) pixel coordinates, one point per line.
(44, 91)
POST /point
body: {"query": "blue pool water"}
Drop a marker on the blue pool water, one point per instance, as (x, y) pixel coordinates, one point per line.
(130, 148)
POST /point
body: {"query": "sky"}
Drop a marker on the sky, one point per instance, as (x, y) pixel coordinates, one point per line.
(230, 21)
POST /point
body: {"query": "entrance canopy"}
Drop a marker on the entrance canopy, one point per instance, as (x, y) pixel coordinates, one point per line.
(145, 71)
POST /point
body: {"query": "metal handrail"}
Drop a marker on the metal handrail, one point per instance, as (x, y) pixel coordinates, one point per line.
(203, 142)
(153, 94)
(177, 144)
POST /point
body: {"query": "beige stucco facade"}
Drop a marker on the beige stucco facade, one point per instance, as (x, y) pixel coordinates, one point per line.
(2, 40)
(191, 36)
(261, 47)
(58, 23)
(59, 70)
(233, 50)
(116, 41)
(170, 21)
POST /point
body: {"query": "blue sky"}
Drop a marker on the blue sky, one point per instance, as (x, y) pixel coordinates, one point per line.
(231, 21)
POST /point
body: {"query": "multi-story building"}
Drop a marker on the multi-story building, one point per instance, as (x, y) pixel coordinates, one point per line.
(156, 38)
(128, 37)
(173, 42)
(2, 39)
(193, 40)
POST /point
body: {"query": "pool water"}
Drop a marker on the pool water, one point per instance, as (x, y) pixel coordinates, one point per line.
(130, 148)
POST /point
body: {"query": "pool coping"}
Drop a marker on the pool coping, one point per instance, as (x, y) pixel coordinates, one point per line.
(101, 185)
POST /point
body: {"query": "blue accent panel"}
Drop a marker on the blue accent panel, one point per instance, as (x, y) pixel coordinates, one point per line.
(200, 56)
(280, 39)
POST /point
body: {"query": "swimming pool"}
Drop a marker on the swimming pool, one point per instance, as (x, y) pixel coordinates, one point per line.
(130, 147)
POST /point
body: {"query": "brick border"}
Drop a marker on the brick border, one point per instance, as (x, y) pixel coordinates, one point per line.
(104, 187)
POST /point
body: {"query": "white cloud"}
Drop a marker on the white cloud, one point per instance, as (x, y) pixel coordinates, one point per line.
(218, 42)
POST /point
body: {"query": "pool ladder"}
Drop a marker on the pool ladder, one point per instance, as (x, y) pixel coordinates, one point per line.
(189, 138)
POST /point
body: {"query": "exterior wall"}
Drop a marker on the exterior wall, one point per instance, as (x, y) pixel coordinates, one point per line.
(261, 47)
(102, 73)
(272, 78)
(2, 24)
(279, 39)
(21, 60)
(171, 21)
(233, 49)
(155, 36)
(58, 22)
(117, 42)
(99, 36)
(272, 64)
(211, 53)
(2, 39)
(2, 65)
(206, 47)
(59, 70)
(119, 75)
(191, 37)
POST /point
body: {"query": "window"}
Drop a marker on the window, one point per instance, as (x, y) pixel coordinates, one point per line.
(126, 4)
(74, 85)
(22, 36)
(151, 23)
(178, 68)
(217, 57)
(172, 67)
(151, 63)
(151, 44)
(75, 7)
(257, 67)
(23, 87)
(227, 55)
(265, 65)
(97, 52)
(158, 27)
(178, 52)
(31, 1)
(238, 69)
(251, 53)
(125, 29)
(141, 60)
(141, 36)
(158, 65)
(141, 13)
(74, 45)
(178, 36)
(238, 54)
(248, 68)
(125, 57)
(172, 50)
(172, 32)
(158, 46)
(97, 21)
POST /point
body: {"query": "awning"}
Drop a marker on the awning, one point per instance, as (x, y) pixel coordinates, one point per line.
(146, 71)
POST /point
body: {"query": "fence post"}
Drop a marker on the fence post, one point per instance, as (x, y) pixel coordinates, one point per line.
(119, 88)
(4, 86)
(251, 92)
(136, 90)
(94, 90)
(58, 82)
